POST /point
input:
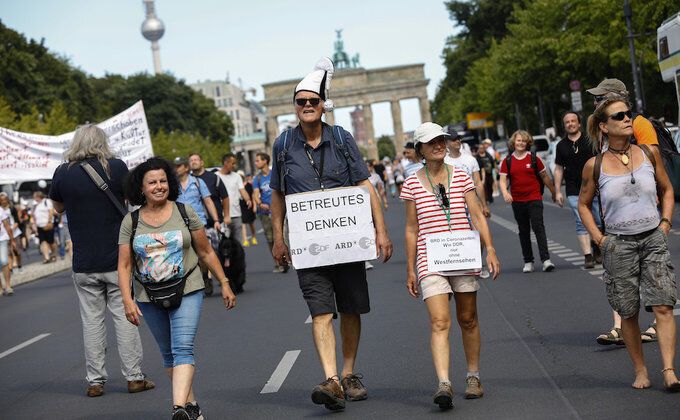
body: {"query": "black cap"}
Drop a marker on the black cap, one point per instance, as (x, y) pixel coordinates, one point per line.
(181, 161)
(409, 145)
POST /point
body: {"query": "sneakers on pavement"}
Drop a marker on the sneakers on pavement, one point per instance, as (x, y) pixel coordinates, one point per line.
(474, 388)
(329, 394)
(484, 274)
(353, 387)
(278, 269)
(180, 413)
(208, 286)
(444, 396)
(548, 266)
(528, 267)
(368, 265)
(95, 390)
(246, 243)
(589, 262)
(194, 411)
(139, 386)
(253, 241)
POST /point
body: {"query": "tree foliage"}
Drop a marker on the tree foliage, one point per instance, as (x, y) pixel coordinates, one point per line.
(546, 44)
(386, 147)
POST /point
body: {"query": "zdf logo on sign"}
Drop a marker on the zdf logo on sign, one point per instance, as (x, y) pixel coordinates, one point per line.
(316, 249)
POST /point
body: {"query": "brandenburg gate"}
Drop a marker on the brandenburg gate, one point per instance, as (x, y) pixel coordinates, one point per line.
(357, 86)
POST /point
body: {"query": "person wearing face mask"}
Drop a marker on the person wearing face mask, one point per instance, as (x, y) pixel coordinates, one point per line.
(524, 172)
(308, 158)
(634, 244)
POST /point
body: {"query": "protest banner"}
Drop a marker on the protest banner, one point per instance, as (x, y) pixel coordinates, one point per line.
(30, 157)
(330, 227)
(455, 253)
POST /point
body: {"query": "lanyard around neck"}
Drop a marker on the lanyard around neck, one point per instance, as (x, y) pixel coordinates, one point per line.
(319, 170)
(445, 209)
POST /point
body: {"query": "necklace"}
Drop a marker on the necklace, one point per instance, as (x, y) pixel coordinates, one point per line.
(623, 154)
(574, 147)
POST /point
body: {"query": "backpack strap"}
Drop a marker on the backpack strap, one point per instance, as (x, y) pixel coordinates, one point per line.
(281, 157)
(596, 179)
(183, 212)
(339, 138)
(649, 155)
(508, 161)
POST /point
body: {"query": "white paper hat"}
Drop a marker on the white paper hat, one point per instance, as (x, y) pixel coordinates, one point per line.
(319, 82)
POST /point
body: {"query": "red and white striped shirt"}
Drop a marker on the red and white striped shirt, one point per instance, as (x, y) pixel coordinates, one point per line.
(431, 217)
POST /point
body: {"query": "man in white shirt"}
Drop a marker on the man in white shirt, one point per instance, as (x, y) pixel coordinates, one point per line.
(7, 243)
(43, 217)
(235, 189)
(410, 163)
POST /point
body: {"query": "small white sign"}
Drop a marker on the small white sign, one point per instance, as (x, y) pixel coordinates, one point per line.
(576, 102)
(457, 251)
(330, 227)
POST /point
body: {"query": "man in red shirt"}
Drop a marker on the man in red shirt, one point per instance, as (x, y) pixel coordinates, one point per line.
(526, 198)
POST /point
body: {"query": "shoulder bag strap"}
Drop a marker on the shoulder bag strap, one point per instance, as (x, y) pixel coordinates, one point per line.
(649, 155)
(339, 142)
(102, 185)
(596, 179)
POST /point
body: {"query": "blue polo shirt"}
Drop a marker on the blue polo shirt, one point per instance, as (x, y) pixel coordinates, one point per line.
(300, 176)
(193, 195)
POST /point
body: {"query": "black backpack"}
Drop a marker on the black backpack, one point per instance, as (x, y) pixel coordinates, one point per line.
(534, 165)
(669, 153)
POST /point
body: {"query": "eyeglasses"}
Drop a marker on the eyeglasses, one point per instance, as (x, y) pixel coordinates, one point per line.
(442, 195)
(619, 116)
(312, 101)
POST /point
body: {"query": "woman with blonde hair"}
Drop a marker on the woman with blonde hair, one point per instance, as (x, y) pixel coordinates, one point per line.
(634, 243)
(526, 174)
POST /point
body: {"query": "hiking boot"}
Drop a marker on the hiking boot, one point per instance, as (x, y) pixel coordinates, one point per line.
(95, 390)
(589, 262)
(354, 389)
(139, 386)
(548, 266)
(528, 267)
(329, 394)
(444, 396)
(208, 291)
(194, 411)
(474, 388)
(180, 413)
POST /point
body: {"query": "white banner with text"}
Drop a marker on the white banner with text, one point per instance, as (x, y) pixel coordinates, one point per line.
(330, 227)
(454, 253)
(30, 157)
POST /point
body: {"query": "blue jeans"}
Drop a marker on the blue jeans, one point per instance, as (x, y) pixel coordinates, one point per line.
(175, 329)
(594, 209)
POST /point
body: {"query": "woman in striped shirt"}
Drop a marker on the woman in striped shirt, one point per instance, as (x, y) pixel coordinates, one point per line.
(438, 199)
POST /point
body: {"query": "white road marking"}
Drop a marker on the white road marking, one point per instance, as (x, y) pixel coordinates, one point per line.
(554, 247)
(24, 344)
(568, 254)
(309, 320)
(571, 259)
(280, 373)
(596, 272)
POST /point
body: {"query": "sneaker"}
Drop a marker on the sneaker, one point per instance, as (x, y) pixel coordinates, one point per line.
(484, 274)
(208, 291)
(139, 386)
(444, 396)
(589, 262)
(194, 411)
(246, 243)
(277, 269)
(368, 265)
(548, 266)
(528, 267)
(253, 241)
(474, 388)
(180, 413)
(353, 387)
(95, 390)
(10, 292)
(329, 394)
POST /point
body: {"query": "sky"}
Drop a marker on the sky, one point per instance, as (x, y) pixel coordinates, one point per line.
(253, 42)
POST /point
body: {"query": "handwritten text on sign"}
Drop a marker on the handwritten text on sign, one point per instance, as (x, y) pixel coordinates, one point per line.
(456, 251)
(330, 227)
(28, 157)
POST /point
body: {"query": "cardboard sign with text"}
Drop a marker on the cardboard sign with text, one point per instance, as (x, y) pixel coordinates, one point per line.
(330, 227)
(30, 157)
(455, 253)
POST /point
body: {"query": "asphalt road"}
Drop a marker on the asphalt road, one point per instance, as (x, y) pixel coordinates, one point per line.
(539, 355)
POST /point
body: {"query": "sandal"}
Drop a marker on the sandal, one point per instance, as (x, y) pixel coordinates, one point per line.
(649, 337)
(675, 386)
(611, 337)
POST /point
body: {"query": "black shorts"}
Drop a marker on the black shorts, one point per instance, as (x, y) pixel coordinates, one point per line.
(46, 235)
(341, 286)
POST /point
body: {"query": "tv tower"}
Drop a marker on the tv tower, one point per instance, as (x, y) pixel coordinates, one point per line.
(153, 29)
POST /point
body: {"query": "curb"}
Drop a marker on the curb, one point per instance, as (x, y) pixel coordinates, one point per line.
(38, 270)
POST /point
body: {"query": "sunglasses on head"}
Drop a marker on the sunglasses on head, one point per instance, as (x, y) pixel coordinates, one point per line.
(619, 116)
(312, 101)
(600, 98)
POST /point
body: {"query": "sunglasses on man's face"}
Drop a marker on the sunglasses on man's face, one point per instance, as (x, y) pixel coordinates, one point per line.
(312, 101)
(619, 116)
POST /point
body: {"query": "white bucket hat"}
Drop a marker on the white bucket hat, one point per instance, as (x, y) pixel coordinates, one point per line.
(426, 132)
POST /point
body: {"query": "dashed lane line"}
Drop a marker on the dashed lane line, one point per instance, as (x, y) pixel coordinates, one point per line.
(572, 259)
(281, 372)
(568, 254)
(24, 344)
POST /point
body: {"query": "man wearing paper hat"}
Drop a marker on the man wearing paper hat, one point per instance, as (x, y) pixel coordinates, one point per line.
(315, 156)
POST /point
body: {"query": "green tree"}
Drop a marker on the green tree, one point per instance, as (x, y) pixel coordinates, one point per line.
(169, 145)
(386, 147)
(7, 115)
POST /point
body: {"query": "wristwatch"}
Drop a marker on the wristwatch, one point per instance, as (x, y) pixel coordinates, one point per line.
(663, 219)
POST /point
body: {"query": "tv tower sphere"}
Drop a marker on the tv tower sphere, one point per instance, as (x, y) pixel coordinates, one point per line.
(153, 29)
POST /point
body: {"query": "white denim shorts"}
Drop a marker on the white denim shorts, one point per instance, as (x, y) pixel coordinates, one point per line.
(438, 285)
